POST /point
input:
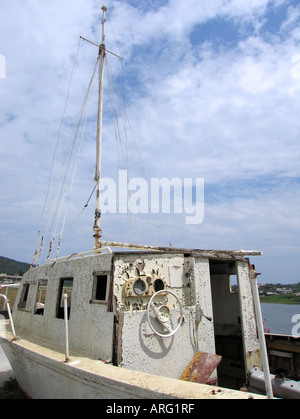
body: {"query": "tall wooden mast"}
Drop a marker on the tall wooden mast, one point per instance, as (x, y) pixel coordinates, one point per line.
(101, 56)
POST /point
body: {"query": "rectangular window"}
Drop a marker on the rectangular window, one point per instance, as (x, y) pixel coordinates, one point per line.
(100, 288)
(233, 284)
(66, 287)
(41, 297)
(24, 296)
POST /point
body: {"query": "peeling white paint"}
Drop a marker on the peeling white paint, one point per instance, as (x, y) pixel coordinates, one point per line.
(117, 329)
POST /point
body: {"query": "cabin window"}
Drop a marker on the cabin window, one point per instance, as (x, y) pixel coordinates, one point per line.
(66, 287)
(24, 296)
(233, 284)
(41, 297)
(100, 288)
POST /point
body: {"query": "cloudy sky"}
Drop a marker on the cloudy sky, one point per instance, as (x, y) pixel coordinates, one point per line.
(212, 91)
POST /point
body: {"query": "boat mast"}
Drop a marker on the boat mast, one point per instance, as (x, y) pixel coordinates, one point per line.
(101, 56)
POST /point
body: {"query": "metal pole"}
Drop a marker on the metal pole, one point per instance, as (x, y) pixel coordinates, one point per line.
(5, 293)
(10, 316)
(11, 320)
(65, 296)
(261, 335)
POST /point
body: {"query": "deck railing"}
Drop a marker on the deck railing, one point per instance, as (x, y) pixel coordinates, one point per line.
(6, 301)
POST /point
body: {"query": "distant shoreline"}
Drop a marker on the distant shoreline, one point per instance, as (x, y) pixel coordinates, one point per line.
(280, 299)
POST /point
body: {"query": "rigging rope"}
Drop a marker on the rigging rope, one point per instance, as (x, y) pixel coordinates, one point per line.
(89, 94)
(125, 122)
(37, 251)
(73, 155)
(127, 147)
(119, 106)
(53, 206)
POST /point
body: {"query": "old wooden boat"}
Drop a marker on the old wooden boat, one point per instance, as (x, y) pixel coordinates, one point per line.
(145, 322)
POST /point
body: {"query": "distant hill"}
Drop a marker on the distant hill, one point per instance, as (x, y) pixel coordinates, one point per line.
(12, 267)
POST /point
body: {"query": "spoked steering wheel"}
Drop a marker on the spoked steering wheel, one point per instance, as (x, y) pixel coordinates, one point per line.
(162, 314)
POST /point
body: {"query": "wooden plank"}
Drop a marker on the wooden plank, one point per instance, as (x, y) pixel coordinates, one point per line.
(283, 346)
(196, 252)
(201, 367)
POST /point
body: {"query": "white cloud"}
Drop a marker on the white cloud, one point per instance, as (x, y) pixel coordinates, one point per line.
(293, 15)
(233, 111)
(225, 111)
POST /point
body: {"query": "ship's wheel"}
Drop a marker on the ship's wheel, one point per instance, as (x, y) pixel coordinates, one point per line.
(163, 315)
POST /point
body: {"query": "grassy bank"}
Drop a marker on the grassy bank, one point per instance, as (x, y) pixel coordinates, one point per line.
(281, 299)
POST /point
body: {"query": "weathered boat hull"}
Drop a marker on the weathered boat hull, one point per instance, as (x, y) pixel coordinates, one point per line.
(106, 316)
(42, 374)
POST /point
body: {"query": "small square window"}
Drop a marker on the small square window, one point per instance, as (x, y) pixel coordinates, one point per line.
(24, 296)
(66, 287)
(41, 297)
(100, 288)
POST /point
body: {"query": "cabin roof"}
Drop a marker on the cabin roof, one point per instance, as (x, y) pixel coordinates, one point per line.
(136, 250)
(210, 254)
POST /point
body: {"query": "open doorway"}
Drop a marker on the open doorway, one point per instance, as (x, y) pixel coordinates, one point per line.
(227, 324)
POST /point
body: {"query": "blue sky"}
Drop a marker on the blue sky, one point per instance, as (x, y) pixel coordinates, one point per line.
(212, 90)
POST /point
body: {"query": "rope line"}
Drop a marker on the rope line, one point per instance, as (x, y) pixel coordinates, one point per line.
(56, 205)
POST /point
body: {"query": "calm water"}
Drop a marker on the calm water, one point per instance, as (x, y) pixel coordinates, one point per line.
(278, 317)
